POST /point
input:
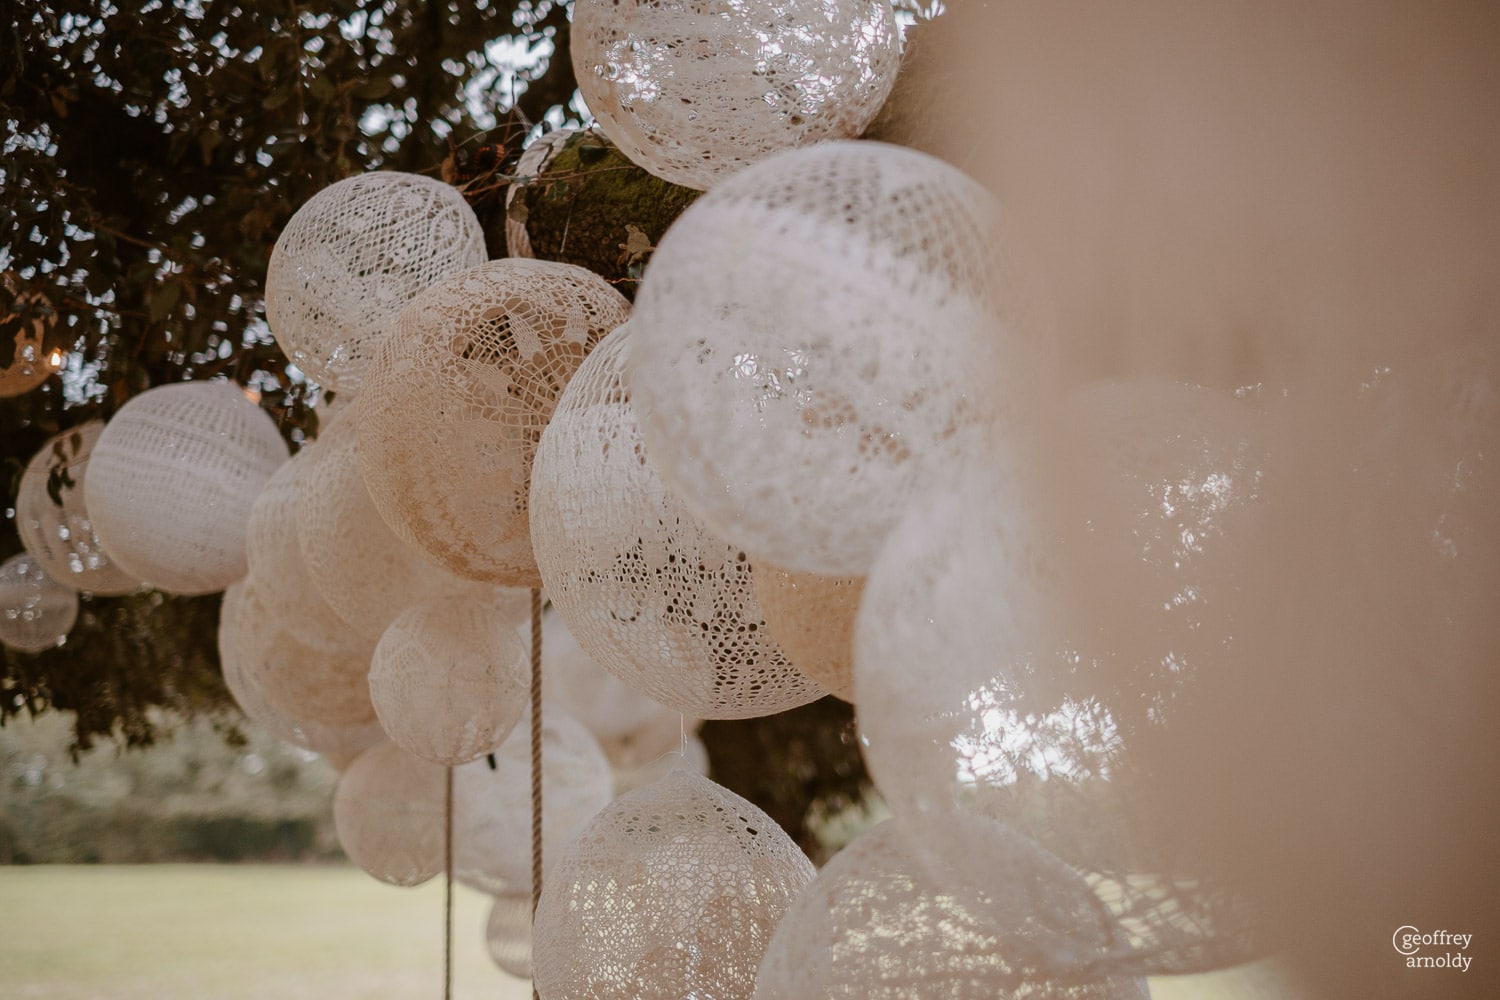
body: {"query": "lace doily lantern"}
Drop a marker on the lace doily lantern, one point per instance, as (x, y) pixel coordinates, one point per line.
(492, 805)
(672, 891)
(589, 693)
(28, 367)
(872, 927)
(649, 594)
(458, 399)
(350, 260)
(810, 338)
(812, 616)
(58, 532)
(449, 679)
(363, 570)
(171, 481)
(388, 812)
(238, 648)
(507, 933)
(694, 91)
(36, 612)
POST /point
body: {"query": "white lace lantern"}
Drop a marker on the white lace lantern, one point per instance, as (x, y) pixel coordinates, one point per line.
(36, 612)
(171, 481)
(648, 593)
(694, 91)
(872, 927)
(589, 693)
(388, 812)
(352, 257)
(457, 401)
(449, 679)
(810, 338)
(52, 517)
(507, 933)
(672, 891)
(812, 617)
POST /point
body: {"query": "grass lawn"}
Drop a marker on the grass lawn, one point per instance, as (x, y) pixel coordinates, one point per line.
(225, 932)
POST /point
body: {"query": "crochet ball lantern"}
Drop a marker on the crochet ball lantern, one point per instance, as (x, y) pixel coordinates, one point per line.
(53, 519)
(36, 612)
(350, 260)
(812, 617)
(588, 692)
(171, 481)
(366, 574)
(449, 679)
(649, 594)
(507, 933)
(694, 91)
(458, 399)
(492, 805)
(388, 812)
(673, 890)
(810, 338)
(871, 927)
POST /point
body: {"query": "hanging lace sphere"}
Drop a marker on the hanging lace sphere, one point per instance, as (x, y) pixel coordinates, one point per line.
(58, 532)
(293, 678)
(36, 612)
(810, 338)
(340, 744)
(352, 257)
(649, 594)
(293, 602)
(29, 365)
(492, 805)
(588, 692)
(366, 574)
(683, 882)
(449, 679)
(694, 91)
(812, 617)
(171, 480)
(458, 398)
(872, 927)
(507, 933)
(388, 813)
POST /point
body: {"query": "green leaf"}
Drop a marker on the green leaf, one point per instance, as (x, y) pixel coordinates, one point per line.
(277, 98)
(373, 89)
(163, 300)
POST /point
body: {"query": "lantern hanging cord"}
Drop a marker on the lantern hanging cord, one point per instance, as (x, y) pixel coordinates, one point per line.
(536, 758)
(448, 887)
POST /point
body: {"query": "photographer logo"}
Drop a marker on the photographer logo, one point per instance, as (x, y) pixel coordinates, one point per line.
(1432, 949)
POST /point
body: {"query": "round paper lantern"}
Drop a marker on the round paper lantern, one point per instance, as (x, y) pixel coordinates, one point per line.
(492, 804)
(366, 574)
(810, 338)
(351, 258)
(507, 933)
(274, 551)
(171, 481)
(588, 692)
(682, 883)
(388, 812)
(872, 927)
(449, 679)
(28, 367)
(458, 399)
(237, 648)
(648, 593)
(812, 617)
(58, 532)
(694, 91)
(36, 612)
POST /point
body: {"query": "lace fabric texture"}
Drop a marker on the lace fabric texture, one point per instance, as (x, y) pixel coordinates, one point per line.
(388, 812)
(458, 399)
(694, 91)
(812, 617)
(36, 612)
(171, 481)
(650, 595)
(350, 260)
(671, 891)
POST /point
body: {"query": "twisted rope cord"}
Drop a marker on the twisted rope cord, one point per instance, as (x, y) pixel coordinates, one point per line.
(448, 887)
(536, 761)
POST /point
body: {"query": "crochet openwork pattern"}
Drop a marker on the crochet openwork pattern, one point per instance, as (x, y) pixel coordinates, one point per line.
(458, 399)
(352, 257)
(672, 891)
(648, 593)
(810, 337)
(872, 927)
(812, 617)
(388, 813)
(449, 679)
(171, 480)
(36, 612)
(694, 91)
(60, 535)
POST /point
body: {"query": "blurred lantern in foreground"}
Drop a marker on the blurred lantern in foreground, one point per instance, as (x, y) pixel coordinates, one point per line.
(36, 612)
(388, 811)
